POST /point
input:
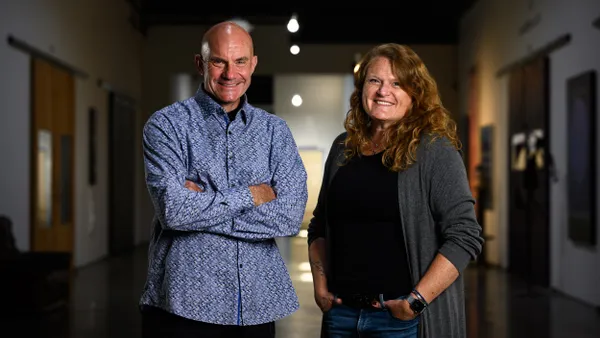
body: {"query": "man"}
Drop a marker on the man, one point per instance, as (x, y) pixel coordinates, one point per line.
(225, 179)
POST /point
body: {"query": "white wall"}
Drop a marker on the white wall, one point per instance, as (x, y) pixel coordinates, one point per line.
(490, 40)
(316, 123)
(319, 119)
(93, 36)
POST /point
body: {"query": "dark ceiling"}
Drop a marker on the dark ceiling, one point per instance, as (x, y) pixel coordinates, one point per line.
(411, 22)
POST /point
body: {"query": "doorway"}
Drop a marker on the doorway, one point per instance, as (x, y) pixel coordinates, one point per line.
(52, 158)
(529, 164)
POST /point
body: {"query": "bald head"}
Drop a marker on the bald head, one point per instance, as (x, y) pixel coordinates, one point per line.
(226, 62)
(226, 30)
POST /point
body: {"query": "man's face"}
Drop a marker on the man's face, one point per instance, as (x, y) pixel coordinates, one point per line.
(227, 65)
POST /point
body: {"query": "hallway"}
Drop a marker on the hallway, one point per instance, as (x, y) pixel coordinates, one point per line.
(105, 297)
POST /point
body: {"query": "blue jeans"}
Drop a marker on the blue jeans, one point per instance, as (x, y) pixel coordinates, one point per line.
(342, 321)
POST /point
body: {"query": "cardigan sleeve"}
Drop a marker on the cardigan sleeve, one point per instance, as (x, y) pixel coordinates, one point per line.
(452, 204)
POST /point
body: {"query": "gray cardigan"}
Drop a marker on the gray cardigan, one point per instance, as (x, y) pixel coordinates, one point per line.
(438, 216)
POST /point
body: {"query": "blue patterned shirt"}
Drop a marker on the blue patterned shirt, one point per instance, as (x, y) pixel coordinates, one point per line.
(213, 256)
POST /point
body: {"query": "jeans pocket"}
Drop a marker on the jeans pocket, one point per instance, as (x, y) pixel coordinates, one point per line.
(410, 321)
(333, 304)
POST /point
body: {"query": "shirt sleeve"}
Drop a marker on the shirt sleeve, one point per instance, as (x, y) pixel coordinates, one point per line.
(177, 207)
(282, 216)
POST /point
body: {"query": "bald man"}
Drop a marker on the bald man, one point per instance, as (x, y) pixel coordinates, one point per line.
(225, 179)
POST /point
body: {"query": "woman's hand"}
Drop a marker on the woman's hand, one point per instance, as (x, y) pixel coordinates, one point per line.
(398, 308)
(325, 300)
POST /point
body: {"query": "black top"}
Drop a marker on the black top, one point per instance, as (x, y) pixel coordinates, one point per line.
(368, 253)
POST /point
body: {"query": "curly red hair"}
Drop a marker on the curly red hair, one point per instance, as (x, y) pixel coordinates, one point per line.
(426, 116)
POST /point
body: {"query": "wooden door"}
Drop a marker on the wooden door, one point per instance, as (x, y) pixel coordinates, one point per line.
(52, 149)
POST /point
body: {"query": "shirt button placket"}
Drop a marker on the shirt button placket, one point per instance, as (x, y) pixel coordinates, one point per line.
(230, 169)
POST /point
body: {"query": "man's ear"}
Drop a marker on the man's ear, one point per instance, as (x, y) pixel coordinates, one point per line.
(254, 62)
(199, 64)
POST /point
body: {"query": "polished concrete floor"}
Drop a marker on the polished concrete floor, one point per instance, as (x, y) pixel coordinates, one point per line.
(105, 297)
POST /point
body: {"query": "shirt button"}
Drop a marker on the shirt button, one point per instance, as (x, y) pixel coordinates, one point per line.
(241, 266)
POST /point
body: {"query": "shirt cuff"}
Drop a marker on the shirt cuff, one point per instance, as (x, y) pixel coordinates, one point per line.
(238, 199)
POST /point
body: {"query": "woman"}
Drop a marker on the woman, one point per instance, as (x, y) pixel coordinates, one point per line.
(395, 222)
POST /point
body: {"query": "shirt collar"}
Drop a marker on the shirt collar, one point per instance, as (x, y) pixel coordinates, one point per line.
(210, 107)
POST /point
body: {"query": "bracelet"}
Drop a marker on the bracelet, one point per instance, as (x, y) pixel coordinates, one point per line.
(420, 297)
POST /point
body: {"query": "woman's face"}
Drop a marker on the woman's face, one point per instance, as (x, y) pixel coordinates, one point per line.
(382, 98)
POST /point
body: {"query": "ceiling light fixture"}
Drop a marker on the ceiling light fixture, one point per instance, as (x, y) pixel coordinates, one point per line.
(296, 100)
(295, 49)
(293, 25)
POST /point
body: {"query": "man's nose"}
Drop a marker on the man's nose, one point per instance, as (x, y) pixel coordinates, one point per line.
(228, 72)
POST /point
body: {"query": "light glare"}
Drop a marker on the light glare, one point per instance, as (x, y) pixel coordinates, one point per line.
(306, 277)
(304, 266)
(293, 25)
(297, 100)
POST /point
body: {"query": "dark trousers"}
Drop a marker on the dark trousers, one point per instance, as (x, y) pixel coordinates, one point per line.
(157, 323)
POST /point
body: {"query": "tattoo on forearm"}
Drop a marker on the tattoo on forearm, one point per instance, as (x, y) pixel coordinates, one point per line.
(319, 267)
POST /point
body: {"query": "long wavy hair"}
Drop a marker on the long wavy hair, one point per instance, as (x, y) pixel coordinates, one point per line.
(427, 115)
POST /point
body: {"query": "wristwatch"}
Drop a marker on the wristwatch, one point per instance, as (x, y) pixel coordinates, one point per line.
(416, 304)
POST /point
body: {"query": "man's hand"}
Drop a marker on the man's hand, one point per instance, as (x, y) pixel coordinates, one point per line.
(193, 186)
(262, 193)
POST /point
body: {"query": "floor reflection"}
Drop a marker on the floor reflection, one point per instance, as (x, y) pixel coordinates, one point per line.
(105, 296)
